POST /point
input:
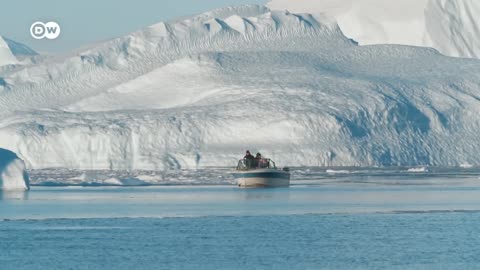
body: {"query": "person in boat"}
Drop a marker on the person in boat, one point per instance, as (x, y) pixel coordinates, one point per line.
(261, 162)
(248, 155)
(258, 159)
(249, 159)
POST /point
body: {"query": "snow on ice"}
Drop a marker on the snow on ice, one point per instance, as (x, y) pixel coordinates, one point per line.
(450, 26)
(13, 53)
(6, 55)
(197, 92)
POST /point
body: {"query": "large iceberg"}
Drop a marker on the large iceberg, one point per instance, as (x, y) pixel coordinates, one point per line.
(13, 174)
(197, 92)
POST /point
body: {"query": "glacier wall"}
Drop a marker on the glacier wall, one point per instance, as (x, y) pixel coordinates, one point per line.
(400, 110)
(200, 91)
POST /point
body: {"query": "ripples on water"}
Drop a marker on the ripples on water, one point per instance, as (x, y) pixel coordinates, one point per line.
(336, 218)
(407, 241)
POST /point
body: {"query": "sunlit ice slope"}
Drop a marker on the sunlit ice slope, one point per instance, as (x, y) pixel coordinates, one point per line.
(6, 55)
(198, 92)
(450, 26)
(13, 53)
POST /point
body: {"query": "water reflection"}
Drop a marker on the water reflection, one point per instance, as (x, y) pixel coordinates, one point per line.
(265, 194)
(13, 195)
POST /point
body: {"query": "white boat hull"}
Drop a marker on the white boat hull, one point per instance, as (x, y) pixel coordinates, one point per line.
(262, 178)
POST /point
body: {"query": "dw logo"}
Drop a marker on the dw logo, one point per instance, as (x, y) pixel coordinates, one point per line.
(40, 30)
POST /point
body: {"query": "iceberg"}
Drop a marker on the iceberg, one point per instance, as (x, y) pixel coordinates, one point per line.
(198, 91)
(13, 174)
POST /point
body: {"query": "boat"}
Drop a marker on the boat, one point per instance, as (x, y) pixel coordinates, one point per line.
(255, 173)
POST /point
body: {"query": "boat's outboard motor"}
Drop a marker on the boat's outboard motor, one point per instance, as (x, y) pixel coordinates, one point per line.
(286, 169)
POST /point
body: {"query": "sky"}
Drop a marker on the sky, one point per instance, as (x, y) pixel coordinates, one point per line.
(85, 22)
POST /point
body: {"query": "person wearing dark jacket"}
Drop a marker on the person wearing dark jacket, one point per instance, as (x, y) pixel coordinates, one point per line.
(248, 155)
(249, 158)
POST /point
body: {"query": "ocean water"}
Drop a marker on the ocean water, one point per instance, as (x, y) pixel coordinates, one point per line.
(339, 220)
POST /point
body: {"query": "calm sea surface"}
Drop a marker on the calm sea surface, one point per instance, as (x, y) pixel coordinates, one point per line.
(355, 222)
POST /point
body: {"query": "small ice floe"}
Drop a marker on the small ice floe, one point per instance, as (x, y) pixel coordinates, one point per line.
(302, 171)
(13, 174)
(329, 171)
(466, 166)
(419, 169)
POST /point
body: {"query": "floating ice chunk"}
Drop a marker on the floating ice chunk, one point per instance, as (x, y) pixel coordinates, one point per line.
(13, 174)
(466, 166)
(418, 169)
(337, 171)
